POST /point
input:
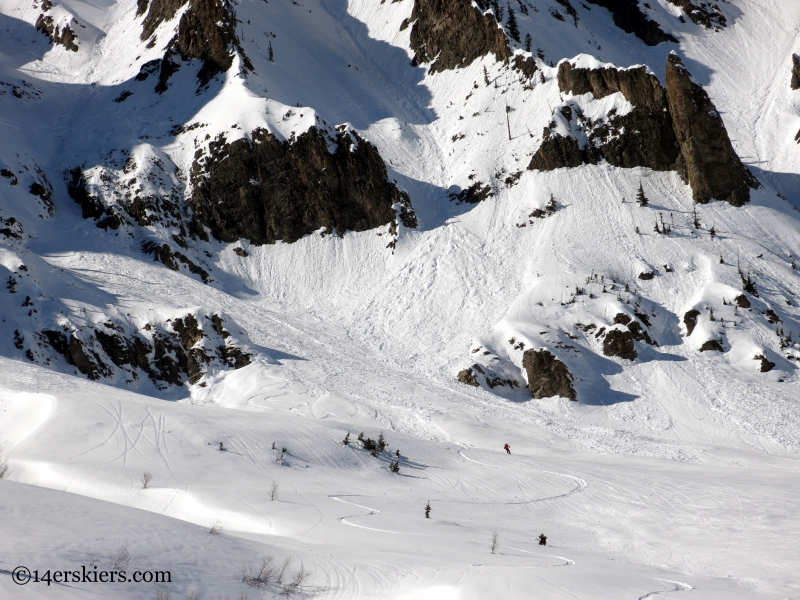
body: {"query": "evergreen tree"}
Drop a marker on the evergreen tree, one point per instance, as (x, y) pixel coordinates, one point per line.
(394, 467)
(528, 41)
(551, 206)
(511, 24)
(271, 53)
(346, 440)
(428, 510)
(695, 219)
(381, 442)
(640, 197)
(485, 76)
(713, 232)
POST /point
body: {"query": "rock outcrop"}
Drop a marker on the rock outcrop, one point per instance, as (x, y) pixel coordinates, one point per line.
(206, 31)
(619, 343)
(61, 34)
(265, 190)
(673, 128)
(713, 345)
(468, 377)
(630, 18)
(702, 12)
(177, 352)
(795, 83)
(452, 33)
(707, 162)
(690, 320)
(547, 376)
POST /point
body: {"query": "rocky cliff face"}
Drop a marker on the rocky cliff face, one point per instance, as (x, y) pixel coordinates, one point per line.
(207, 32)
(266, 190)
(58, 34)
(707, 159)
(672, 128)
(630, 18)
(453, 33)
(547, 376)
(707, 14)
(795, 83)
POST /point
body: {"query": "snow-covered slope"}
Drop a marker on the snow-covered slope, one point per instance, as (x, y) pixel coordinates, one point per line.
(257, 222)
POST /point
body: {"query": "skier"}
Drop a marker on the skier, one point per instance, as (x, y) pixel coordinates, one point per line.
(542, 539)
(507, 448)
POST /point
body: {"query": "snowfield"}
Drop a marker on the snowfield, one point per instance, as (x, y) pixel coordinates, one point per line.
(674, 475)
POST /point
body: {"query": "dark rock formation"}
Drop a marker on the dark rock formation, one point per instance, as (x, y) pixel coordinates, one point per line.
(266, 190)
(714, 345)
(766, 364)
(672, 128)
(206, 31)
(64, 36)
(547, 376)
(73, 350)
(795, 73)
(742, 301)
(525, 65)
(164, 254)
(702, 13)
(619, 343)
(77, 189)
(468, 377)
(452, 33)
(558, 151)
(170, 355)
(646, 275)
(630, 18)
(477, 192)
(690, 320)
(707, 161)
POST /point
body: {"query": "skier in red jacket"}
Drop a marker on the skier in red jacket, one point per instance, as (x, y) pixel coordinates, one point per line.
(507, 448)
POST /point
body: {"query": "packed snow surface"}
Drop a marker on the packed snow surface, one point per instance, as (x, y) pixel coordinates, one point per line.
(675, 475)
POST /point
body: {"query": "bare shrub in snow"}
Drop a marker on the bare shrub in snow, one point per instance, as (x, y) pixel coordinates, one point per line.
(282, 571)
(4, 468)
(260, 576)
(300, 577)
(273, 492)
(121, 560)
(216, 528)
(147, 477)
(494, 543)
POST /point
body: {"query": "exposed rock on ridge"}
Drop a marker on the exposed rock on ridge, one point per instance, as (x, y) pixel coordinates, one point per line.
(795, 84)
(453, 33)
(630, 18)
(547, 376)
(673, 128)
(64, 36)
(206, 31)
(707, 160)
(177, 352)
(702, 13)
(266, 190)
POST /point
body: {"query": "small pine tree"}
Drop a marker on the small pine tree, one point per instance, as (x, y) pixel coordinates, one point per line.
(428, 510)
(528, 40)
(712, 232)
(486, 76)
(695, 219)
(360, 437)
(540, 53)
(511, 24)
(656, 229)
(551, 206)
(271, 53)
(722, 262)
(346, 440)
(641, 199)
(381, 442)
(542, 539)
(637, 229)
(394, 467)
